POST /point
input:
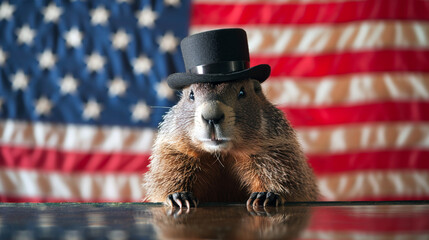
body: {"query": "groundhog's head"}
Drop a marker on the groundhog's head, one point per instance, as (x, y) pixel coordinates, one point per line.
(224, 116)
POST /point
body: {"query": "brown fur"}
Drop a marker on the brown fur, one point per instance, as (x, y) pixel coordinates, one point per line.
(263, 155)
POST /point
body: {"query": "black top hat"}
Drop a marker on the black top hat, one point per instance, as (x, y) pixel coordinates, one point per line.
(216, 56)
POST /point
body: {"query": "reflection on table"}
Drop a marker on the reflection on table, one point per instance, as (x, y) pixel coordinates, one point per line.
(215, 221)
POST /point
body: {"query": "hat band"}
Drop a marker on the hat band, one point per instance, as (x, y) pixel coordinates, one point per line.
(220, 67)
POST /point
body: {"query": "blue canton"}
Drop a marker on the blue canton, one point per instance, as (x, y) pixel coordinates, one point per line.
(90, 62)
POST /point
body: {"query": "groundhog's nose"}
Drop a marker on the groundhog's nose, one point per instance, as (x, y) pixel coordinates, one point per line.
(212, 114)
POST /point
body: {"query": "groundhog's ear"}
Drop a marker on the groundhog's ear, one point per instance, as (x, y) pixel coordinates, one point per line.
(257, 86)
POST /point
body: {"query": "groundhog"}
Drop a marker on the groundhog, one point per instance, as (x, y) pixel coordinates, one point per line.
(225, 142)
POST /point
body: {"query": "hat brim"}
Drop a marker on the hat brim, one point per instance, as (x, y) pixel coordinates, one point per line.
(180, 80)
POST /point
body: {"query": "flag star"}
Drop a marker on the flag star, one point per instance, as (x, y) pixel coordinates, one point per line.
(6, 11)
(147, 17)
(164, 91)
(43, 106)
(52, 13)
(47, 59)
(99, 16)
(168, 43)
(142, 64)
(173, 3)
(3, 57)
(95, 62)
(120, 39)
(68, 84)
(92, 110)
(25, 34)
(73, 38)
(19, 81)
(117, 86)
(140, 111)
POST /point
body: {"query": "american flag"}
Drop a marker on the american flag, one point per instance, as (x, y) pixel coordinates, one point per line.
(82, 90)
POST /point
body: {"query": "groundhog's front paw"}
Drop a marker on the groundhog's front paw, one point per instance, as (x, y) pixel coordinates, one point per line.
(264, 199)
(181, 199)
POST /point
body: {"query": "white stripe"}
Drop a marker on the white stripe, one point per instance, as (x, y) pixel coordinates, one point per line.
(76, 137)
(276, 40)
(356, 235)
(347, 89)
(86, 187)
(364, 137)
(314, 139)
(373, 184)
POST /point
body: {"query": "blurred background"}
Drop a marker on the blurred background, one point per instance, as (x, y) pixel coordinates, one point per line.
(82, 90)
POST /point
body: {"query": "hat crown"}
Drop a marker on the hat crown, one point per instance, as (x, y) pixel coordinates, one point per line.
(217, 46)
(217, 56)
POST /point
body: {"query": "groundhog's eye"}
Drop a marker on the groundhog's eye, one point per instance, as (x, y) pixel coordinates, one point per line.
(191, 96)
(242, 93)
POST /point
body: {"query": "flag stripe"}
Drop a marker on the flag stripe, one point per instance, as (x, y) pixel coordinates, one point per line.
(364, 137)
(347, 89)
(406, 184)
(271, 1)
(295, 13)
(34, 184)
(50, 160)
(66, 161)
(97, 187)
(371, 112)
(315, 140)
(79, 138)
(369, 160)
(274, 40)
(346, 62)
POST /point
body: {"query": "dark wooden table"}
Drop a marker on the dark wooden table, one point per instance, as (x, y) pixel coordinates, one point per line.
(323, 220)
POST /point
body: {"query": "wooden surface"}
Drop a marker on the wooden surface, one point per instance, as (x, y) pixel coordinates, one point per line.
(334, 220)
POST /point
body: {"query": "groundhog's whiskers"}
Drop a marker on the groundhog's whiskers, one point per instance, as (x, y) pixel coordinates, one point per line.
(217, 139)
(218, 156)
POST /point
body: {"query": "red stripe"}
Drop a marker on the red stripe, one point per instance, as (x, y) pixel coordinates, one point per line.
(346, 62)
(371, 160)
(67, 161)
(370, 219)
(372, 112)
(295, 13)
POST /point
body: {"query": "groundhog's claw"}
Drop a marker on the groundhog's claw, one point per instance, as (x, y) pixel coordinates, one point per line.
(264, 199)
(179, 199)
